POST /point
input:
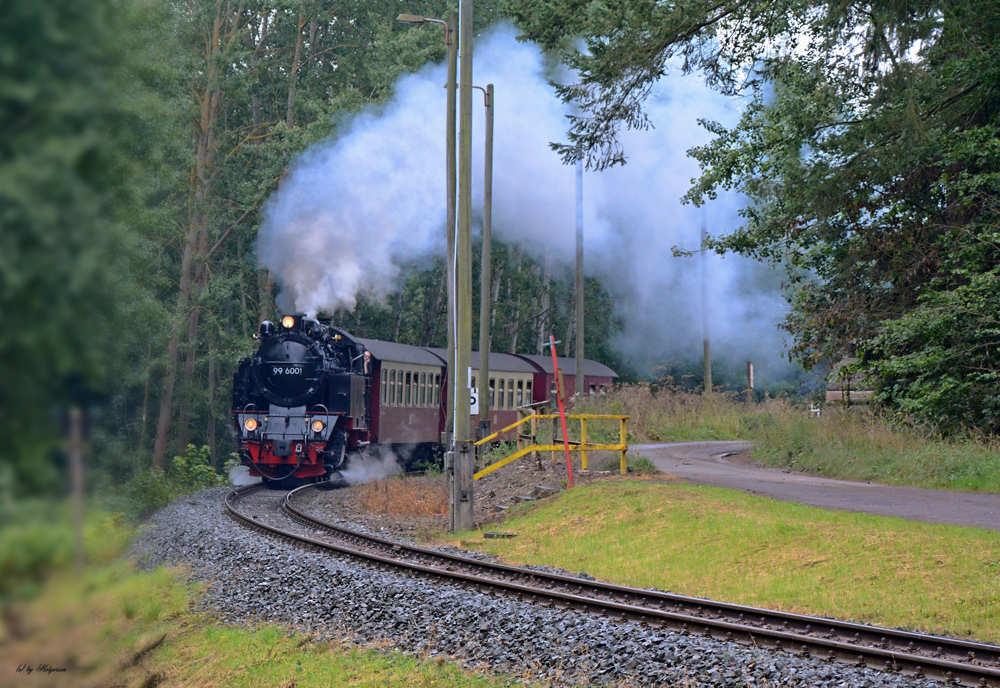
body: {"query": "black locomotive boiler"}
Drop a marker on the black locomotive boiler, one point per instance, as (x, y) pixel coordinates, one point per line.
(301, 401)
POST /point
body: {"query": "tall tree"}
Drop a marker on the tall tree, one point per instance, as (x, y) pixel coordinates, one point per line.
(868, 151)
(84, 175)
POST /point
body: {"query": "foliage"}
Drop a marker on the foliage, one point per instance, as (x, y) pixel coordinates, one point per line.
(192, 472)
(80, 117)
(853, 443)
(152, 489)
(37, 540)
(869, 151)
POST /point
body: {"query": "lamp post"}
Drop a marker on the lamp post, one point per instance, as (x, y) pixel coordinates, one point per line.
(706, 349)
(485, 279)
(462, 513)
(449, 39)
(458, 462)
(579, 381)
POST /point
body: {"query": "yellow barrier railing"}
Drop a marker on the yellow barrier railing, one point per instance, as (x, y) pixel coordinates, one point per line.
(582, 446)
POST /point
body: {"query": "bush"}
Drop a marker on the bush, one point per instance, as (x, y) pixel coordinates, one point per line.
(153, 489)
(37, 539)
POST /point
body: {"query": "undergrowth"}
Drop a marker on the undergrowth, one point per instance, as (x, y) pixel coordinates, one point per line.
(405, 495)
(856, 443)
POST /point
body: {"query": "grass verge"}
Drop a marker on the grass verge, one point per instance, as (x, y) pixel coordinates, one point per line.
(728, 545)
(119, 627)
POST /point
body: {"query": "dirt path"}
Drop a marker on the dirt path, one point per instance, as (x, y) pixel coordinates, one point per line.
(727, 464)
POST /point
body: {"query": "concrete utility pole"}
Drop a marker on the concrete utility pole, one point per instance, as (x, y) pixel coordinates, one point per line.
(485, 310)
(580, 391)
(450, 220)
(461, 498)
(449, 38)
(704, 309)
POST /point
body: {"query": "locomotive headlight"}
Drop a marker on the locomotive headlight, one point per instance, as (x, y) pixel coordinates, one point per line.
(250, 424)
(288, 322)
(317, 426)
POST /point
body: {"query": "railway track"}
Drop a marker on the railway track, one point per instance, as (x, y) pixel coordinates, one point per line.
(954, 661)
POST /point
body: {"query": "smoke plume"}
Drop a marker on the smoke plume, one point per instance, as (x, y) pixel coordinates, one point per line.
(353, 209)
(376, 463)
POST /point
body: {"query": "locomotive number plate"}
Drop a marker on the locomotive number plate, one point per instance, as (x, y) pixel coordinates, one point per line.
(290, 370)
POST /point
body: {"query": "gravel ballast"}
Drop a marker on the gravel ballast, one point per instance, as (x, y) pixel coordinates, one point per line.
(250, 577)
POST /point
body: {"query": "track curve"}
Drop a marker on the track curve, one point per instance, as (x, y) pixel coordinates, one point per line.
(953, 660)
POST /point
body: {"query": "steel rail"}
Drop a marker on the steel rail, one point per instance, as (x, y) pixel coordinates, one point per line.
(868, 645)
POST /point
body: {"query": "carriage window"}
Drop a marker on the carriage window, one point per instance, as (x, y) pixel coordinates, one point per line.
(392, 388)
(422, 394)
(493, 393)
(520, 392)
(527, 391)
(437, 390)
(407, 389)
(500, 394)
(602, 389)
(553, 392)
(593, 388)
(385, 379)
(510, 394)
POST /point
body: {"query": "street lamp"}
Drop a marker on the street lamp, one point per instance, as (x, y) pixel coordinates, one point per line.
(458, 435)
(451, 191)
(462, 497)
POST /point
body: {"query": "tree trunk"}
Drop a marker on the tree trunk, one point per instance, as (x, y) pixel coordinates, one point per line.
(254, 59)
(265, 290)
(398, 317)
(514, 326)
(196, 244)
(433, 317)
(293, 76)
(543, 309)
(173, 352)
(210, 430)
(145, 399)
(570, 330)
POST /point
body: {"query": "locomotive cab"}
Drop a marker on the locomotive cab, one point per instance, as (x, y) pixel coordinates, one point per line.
(300, 401)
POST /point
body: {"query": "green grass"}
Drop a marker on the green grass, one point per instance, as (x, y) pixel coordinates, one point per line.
(857, 445)
(731, 546)
(118, 626)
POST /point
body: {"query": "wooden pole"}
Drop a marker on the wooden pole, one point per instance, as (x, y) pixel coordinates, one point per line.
(76, 479)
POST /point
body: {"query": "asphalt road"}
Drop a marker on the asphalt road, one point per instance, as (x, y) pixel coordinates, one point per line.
(706, 463)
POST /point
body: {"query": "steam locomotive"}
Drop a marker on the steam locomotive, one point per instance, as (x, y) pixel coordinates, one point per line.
(312, 397)
(301, 401)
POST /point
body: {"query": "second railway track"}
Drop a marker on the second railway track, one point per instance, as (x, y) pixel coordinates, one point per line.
(951, 660)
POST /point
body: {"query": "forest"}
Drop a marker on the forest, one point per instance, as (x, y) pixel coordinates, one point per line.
(142, 140)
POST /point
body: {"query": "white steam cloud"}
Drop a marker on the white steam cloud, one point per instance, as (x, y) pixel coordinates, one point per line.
(352, 210)
(376, 463)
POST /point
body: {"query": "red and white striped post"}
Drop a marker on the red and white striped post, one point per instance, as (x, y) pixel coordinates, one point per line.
(562, 411)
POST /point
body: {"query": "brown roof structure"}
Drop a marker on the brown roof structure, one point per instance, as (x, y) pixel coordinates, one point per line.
(567, 365)
(401, 353)
(501, 363)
